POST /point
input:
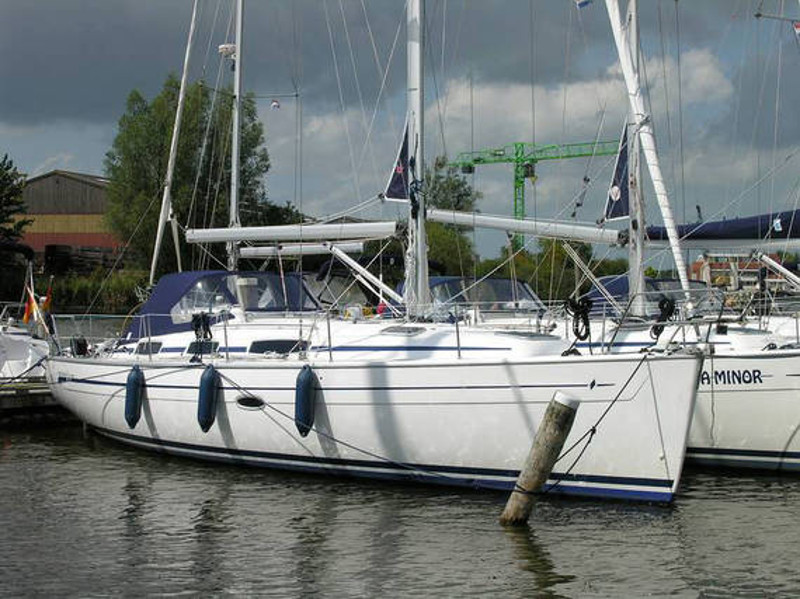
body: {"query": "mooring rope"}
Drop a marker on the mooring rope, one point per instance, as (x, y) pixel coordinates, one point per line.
(592, 431)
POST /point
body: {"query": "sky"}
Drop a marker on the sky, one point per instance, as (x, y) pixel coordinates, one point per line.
(722, 86)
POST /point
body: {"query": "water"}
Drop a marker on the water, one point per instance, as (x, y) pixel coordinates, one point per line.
(85, 517)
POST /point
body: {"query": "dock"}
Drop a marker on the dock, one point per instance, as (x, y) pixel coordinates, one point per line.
(28, 397)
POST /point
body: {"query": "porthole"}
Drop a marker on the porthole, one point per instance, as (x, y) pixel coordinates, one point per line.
(250, 402)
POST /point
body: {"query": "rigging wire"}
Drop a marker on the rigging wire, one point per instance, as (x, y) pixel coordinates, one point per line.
(532, 85)
(206, 134)
(120, 255)
(223, 153)
(758, 112)
(746, 50)
(438, 97)
(472, 175)
(681, 158)
(444, 35)
(456, 45)
(776, 117)
(661, 254)
(342, 104)
(297, 68)
(758, 116)
(383, 73)
(567, 48)
(210, 38)
(214, 124)
(667, 111)
(567, 64)
(360, 207)
(359, 94)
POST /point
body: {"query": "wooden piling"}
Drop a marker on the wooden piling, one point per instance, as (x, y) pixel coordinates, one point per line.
(547, 444)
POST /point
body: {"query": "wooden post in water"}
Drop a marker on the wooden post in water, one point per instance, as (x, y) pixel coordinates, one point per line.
(547, 444)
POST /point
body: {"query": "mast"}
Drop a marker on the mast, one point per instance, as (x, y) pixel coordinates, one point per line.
(646, 138)
(415, 52)
(636, 222)
(166, 200)
(233, 221)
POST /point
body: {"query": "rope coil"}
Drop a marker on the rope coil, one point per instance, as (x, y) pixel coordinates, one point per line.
(579, 311)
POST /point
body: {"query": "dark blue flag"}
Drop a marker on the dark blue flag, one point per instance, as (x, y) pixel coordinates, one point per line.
(397, 188)
(617, 203)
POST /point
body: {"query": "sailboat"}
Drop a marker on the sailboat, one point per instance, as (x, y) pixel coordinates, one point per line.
(747, 412)
(748, 406)
(237, 367)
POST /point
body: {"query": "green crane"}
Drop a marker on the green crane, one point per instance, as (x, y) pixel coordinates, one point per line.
(524, 157)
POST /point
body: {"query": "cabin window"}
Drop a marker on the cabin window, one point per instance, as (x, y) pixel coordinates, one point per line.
(207, 295)
(278, 346)
(202, 347)
(147, 348)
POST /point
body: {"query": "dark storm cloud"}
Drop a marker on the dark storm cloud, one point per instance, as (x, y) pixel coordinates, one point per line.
(79, 59)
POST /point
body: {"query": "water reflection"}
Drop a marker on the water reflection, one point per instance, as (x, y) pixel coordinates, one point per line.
(210, 523)
(312, 527)
(385, 534)
(534, 558)
(112, 521)
(137, 491)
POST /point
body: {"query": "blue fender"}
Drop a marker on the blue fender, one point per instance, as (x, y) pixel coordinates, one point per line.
(134, 391)
(208, 397)
(305, 394)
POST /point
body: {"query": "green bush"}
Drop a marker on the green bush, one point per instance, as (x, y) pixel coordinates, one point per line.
(94, 293)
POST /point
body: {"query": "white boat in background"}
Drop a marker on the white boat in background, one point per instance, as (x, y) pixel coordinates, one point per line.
(748, 399)
(240, 367)
(748, 404)
(22, 352)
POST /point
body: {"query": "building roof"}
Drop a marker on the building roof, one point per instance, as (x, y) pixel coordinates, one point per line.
(95, 180)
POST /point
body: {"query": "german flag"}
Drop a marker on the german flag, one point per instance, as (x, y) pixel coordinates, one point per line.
(48, 299)
(30, 307)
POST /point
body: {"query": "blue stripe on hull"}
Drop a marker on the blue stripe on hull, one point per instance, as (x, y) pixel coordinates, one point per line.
(121, 385)
(477, 478)
(753, 459)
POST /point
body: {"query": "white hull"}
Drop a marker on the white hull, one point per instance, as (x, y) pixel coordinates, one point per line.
(456, 422)
(748, 404)
(748, 411)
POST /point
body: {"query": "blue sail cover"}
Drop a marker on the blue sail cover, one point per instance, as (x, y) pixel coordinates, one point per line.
(153, 318)
(762, 227)
(397, 188)
(177, 295)
(617, 205)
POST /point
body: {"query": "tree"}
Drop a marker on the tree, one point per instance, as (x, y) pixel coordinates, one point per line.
(136, 167)
(12, 182)
(610, 266)
(449, 245)
(550, 272)
(446, 189)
